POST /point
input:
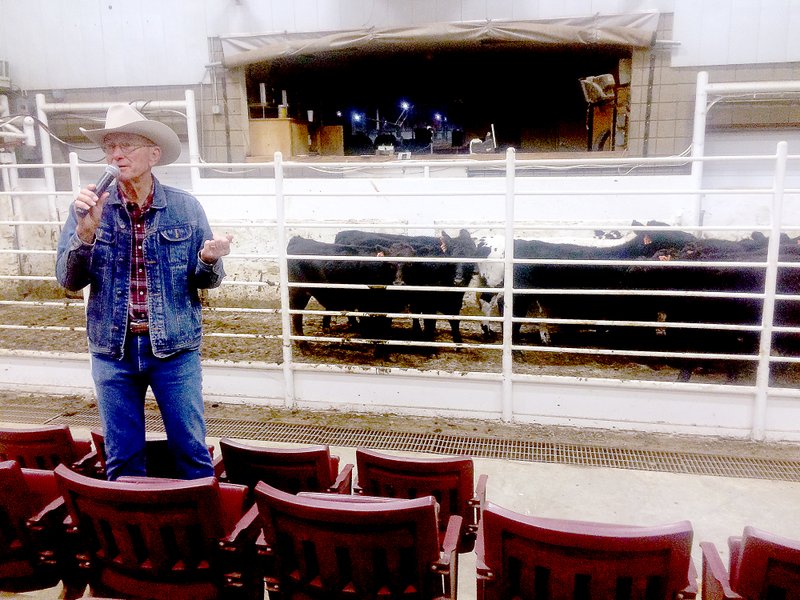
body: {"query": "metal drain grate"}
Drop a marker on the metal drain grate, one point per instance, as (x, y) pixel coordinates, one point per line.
(29, 414)
(433, 443)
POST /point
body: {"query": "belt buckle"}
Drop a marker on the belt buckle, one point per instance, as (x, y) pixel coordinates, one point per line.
(138, 327)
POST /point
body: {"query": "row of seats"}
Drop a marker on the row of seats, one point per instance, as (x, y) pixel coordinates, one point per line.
(297, 521)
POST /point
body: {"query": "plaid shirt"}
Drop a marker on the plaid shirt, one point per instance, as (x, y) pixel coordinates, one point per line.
(137, 306)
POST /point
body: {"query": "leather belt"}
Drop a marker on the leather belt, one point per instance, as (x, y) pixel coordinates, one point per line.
(138, 327)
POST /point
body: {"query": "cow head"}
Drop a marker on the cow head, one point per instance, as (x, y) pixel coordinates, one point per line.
(462, 246)
(396, 249)
(660, 239)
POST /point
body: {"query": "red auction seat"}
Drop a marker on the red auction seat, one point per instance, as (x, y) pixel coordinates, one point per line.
(163, 539)
(293, 470)
(320, 548)
(42, 447)
(30, 495)
(520, 556)
(762, 566)
(448, 479)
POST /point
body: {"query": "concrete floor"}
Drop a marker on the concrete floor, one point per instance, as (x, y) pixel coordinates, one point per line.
(717, 506)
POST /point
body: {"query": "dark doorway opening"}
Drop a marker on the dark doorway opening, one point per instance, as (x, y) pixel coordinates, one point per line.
(529, 95)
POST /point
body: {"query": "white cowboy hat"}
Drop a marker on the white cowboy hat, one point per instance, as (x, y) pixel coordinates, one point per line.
(124, 118)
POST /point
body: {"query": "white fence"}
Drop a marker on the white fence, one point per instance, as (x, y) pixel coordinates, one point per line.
(506, 196)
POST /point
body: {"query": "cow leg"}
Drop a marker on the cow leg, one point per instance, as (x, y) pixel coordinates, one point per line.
(326, 323)
(416, 329)
(544, 328)
(489, 304)
(522, 304)
(428, 329)
(455, 330)
(298, 300)
(352, 323)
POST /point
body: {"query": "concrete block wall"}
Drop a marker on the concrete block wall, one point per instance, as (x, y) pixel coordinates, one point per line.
(222, 112)
(668, 94)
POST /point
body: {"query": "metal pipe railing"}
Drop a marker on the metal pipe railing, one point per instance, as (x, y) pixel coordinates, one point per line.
(511, 195)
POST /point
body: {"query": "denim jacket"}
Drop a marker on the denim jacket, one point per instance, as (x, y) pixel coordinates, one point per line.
(175, 229)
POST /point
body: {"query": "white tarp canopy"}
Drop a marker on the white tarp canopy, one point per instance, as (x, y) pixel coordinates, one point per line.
(625, 30)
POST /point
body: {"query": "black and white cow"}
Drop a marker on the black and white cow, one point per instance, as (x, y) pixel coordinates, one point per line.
(376, 274)
(444, 274)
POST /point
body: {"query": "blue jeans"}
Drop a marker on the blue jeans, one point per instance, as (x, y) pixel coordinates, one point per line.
(176, 382)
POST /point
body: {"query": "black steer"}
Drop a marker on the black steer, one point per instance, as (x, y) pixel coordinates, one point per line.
(732, 310)
(567, 305)
(455, 274)
(376, 274)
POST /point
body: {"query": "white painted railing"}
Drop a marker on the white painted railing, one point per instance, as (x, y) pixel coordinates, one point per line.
(291, 203)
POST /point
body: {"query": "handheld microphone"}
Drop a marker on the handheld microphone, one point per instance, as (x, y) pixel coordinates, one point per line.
(108, 177)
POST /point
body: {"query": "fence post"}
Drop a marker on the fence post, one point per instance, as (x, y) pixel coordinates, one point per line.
(192, 139)
(508, 286)
(699, 145)
(770, 288)
(47, 158)
(283, 269)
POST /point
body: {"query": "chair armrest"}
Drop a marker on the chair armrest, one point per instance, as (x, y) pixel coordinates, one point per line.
(241, 570)
(690, 591)
(58, 546)
(47, 530)
(219, 468)
(245, 530)
(476, 503)
(447, 565)
(265, 555)
(716, 583)
(344, 481)
(55, 509)
(485, 577)
(89, 465)
(452, 534)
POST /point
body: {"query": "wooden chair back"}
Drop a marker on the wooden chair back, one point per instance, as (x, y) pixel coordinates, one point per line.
(42, 447)
(520, 556)
(151, 538)
(449, 479)
(293, 470)
(339, 549)
(764, 565)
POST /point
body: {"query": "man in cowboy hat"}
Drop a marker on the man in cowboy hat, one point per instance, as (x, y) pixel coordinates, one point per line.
(145, 249)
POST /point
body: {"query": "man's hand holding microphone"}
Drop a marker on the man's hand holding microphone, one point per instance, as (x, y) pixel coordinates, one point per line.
(89, 204)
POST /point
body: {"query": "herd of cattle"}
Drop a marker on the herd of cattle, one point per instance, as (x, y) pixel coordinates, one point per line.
(671, 283)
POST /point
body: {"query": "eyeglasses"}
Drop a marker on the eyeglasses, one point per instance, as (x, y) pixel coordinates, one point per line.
(124, 147)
